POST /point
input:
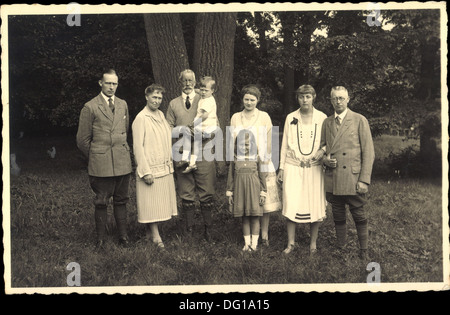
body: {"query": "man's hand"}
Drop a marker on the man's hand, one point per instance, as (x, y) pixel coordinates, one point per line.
(362, 188)
(328, 161)
(148, 179)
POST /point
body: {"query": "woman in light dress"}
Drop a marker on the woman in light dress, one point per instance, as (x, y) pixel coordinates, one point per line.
(152, 145)
(301, 172)
(259, 122)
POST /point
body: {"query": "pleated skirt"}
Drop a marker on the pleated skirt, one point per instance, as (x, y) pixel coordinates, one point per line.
(303, 194)
(156, 202)
(246, 193)
(273, 202)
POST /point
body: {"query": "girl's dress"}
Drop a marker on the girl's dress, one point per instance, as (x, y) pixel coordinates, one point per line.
(247, 184)
(261, 125)
(303, 184)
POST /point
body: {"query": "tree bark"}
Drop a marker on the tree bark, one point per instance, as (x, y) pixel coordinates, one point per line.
(214, 56)
(261, 31)
(288, 25)
(167, 52)
(428, 58)
(309, 23)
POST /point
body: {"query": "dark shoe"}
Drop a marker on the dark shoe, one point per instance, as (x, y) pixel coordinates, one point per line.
(363, 255)
(265, 242)
(100, 245)
(123, 242)
(207, 234)
(312, 252)
(189, 232)
(341, 246)
(190, 168)
(160, 245)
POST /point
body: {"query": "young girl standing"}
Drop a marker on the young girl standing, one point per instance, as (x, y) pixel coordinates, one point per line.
(246, 188)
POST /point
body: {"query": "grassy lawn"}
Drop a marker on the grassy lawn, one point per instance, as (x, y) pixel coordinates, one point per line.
(52, 224)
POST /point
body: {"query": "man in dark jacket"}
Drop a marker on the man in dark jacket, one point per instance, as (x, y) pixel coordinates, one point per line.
(102, 137)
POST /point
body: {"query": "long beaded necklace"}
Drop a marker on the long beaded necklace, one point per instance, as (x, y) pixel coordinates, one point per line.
(301, 136)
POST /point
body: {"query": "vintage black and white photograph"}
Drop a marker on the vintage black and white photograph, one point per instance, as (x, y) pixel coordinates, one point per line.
(241, 147)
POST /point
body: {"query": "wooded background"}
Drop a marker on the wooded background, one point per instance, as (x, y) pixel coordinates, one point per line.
(393, 73)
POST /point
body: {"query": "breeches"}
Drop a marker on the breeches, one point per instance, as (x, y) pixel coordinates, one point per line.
(107, 187)
(201, 181)
(355, 202)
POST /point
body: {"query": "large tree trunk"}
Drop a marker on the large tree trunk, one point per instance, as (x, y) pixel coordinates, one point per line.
(288, 20)
(214, 56)
(261, 31)
(309, 23)
(167, 52)
(428, 59)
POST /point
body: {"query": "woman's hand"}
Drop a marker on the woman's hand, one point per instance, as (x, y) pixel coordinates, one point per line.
(230, 200)
(262, 200)
(148, 179)
(280, 177)
(317, 158)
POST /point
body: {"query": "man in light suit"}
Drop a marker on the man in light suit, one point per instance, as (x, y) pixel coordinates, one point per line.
(102, 137)
(180, 113)
(349, 158)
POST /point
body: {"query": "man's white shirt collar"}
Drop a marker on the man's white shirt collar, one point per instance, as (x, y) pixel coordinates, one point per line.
(107, 98)
(341, 115)
(191, 96)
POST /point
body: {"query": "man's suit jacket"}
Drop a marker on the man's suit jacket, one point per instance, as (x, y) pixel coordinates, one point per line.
(352, 146)
(102, 137)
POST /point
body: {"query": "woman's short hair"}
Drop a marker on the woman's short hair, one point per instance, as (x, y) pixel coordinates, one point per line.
(252, 90)
(154, 87)
(306, 89)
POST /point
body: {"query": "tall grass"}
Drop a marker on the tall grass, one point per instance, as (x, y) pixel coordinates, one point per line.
(52, 225)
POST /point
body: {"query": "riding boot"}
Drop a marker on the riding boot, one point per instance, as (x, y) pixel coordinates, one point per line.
(100, 216)
(206, 209)
(120, 215)
(188, 209)
(341, 233)
(363, 236)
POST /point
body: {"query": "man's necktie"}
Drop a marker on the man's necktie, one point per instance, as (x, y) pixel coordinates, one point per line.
(188, 103)
(111, 104)
(338, 122)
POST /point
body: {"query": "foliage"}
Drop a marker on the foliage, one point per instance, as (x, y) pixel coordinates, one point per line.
(405, 157)
(409, 163)
(424, 119)
(381, 67)
(367, 64)
(406, 163)
(251, 62)
(54, 68)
